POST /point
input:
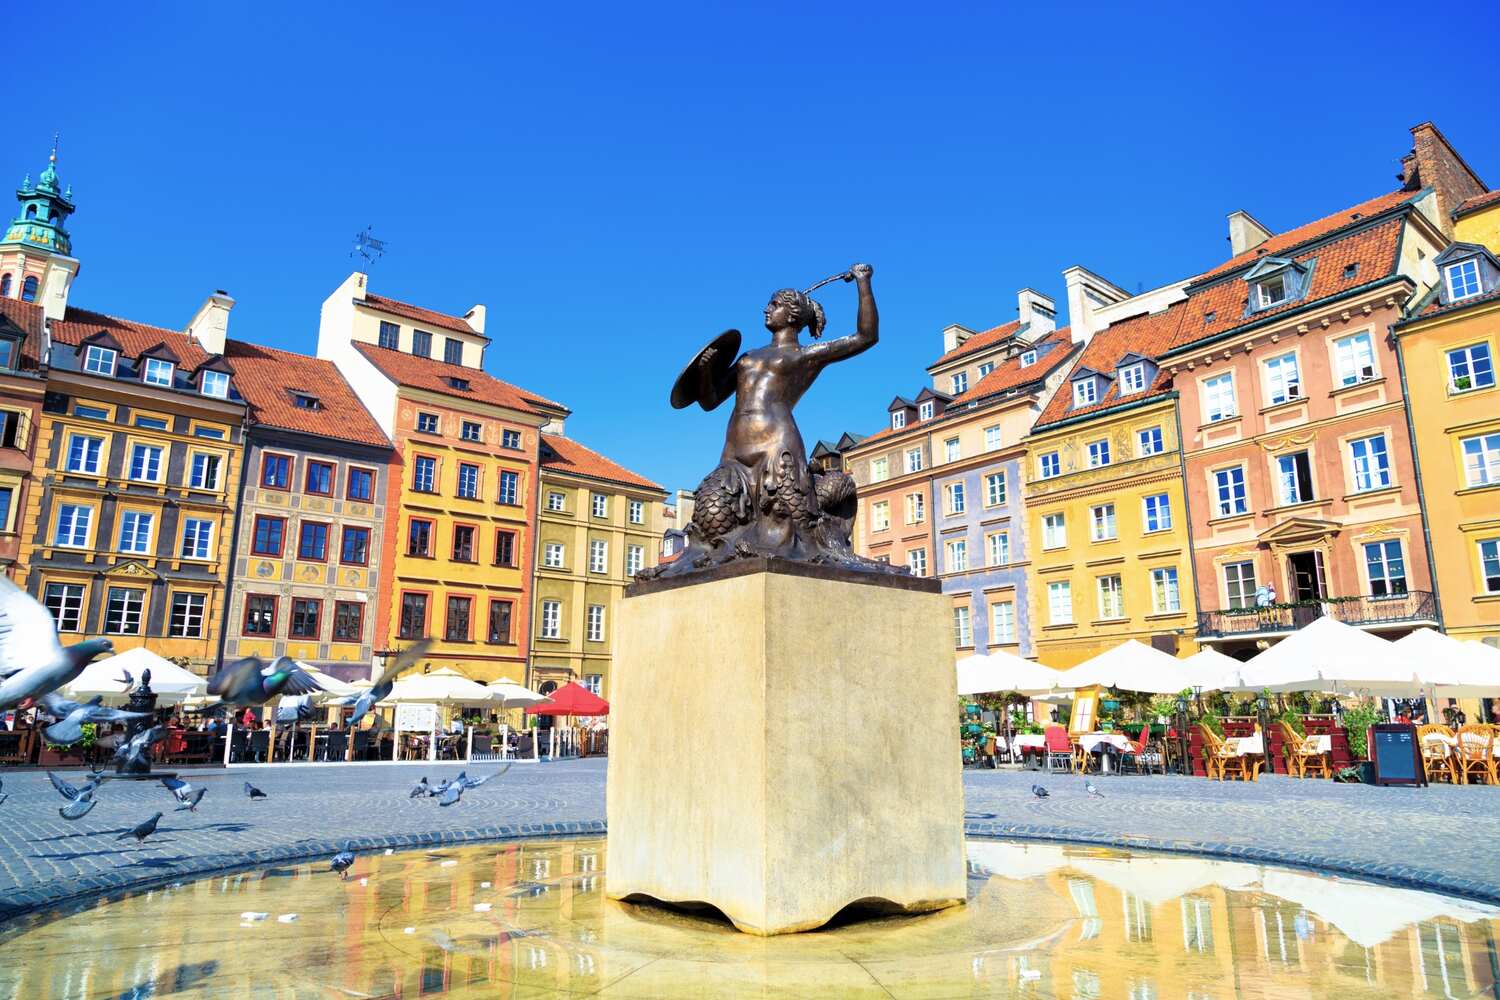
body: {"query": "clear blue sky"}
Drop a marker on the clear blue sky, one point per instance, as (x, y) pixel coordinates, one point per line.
(620, 182)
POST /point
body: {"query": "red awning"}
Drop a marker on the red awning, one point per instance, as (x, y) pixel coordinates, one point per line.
(572, 699)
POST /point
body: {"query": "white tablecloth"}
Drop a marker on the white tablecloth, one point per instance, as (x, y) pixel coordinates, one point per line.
(1034, 741)
(1247, 745)
(1093, 741)
(1320, 744)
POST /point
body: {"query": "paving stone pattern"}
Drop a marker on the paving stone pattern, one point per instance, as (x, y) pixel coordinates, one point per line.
(1439, 837)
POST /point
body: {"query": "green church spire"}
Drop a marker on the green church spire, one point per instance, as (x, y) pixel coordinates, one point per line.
(45, 207)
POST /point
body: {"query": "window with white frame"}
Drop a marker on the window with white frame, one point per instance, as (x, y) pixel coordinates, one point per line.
(1218, 397)
(1111, 597)
(135, 532)
(1102, 522)
(1054, 531)
(1239, 584)
(1229, 491)
(83, 454)
(215, 384)
(992, 438)
(1272, 291)
(950, 450)
(994, 489)
(1489, 564)
(1003, 623)
(1481, 459)
(963, 635)
(73, 522)
(1156, 512)
(1470, 368)
(122, 610)
(552, 555)
(924, 410)
(555, 500)
(1370, 462)
(1049, 465)
(468, 480)
(1354, 358)
(1463, 279)
(1028, 358)
(880, 515)
(986, 368)
(595, 621)
(999, 546)
(599, 505)
(99, 360)
(960, 382)
(1098, 453)
(955, 495)
(880, 469)
(1165, 597)
(1386, 567)
(1085, 391)
(1294, 477)
(957, 552)
(1283, 383)
(551, 619)
(898, 419)
(1148, 442)
(636, 512)
(65, 602)
(916, 508)
(158, 371)
(1133, 378)
(1059, 603)
(186, 618)
(197, 538)
(914, 460)
(916, 561)
(598, 555)
(204, 471)
(635, 559)
(145, 463)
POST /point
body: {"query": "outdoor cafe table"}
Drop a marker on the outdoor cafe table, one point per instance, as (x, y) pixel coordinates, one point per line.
(1105, 745)
(1027, 742)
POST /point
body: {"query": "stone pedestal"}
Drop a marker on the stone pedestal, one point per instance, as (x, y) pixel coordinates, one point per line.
(783, 743)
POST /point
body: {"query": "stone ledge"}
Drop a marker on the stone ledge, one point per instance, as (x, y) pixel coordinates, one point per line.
(784, 567)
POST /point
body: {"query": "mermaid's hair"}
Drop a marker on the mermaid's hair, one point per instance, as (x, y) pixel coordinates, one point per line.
(805, 310)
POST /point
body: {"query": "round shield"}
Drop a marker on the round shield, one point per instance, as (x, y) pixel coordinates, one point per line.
(717, 358)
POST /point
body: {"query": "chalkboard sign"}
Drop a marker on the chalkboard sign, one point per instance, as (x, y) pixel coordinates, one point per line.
(1396, 754)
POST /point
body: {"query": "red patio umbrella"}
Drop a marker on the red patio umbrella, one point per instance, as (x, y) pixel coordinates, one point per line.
(572, 699)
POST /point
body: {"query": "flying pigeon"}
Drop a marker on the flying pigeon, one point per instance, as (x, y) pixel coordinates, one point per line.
(141, 830)
(251, 682)
(32, 661)
(254, 793)
(447, 783)
(1039, 791)
(1088, 786)
(71, 716)
(363, 700)
(71, 792)
(419, 789)
(126, 680)
(132, 754)
(452, 793)
(469, 782)
(190, 802)
(80, 800)
(342, 862)
(180, 789)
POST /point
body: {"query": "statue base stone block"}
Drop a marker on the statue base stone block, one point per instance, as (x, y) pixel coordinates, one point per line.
(783, 743)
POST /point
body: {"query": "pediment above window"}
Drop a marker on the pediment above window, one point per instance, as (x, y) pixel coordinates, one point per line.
(1275, 281)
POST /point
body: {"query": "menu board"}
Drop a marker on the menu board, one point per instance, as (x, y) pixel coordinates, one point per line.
(1397, 754)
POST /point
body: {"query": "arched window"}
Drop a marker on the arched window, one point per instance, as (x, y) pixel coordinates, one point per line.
(28, 289)
(31, 211)
(5, 285)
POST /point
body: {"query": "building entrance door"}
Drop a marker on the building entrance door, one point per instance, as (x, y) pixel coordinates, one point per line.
(1306, 572)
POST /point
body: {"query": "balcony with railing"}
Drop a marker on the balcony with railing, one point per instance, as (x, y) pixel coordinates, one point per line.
(1414, 607)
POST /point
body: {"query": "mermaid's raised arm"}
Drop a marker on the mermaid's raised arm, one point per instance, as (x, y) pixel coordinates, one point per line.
(866, 327)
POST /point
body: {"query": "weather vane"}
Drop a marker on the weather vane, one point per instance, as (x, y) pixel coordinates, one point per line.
(368, 247)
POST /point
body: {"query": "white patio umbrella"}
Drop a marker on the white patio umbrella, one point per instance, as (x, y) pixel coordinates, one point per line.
(172, 684)
(1130, 666)
(1449, 667)
(508, 694)
(1014, 860)
(1332, 657)
(999, 672)
(443, 686)
(1212, 671)
(1368, 914)
(1160, 880)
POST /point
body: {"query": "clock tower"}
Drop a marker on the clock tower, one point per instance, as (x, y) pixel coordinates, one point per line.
(35, 250)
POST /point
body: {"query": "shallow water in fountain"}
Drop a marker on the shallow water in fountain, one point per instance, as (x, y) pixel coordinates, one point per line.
(530, 919)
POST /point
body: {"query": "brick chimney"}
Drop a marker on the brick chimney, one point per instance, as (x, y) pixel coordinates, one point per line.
(1038, 310)
(1434, 163)
(210, 324)
(1245, 233)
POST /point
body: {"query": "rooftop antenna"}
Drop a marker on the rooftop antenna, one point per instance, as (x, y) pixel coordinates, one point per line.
(368, 247)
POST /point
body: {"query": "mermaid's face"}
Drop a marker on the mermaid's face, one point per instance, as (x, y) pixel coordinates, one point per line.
(780, 314)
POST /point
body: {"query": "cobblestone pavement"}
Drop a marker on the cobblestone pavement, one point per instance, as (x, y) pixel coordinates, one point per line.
(1437, 837)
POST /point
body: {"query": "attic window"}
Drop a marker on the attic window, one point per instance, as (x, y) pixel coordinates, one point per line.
(1350, 270)
(1272, 291)
(306, 401)
(454, 382)
(1462, 278)
(924, 412)
(1208, 317)
(1028, 359)
(1133, 378)
(1085, 391)
(898, 420)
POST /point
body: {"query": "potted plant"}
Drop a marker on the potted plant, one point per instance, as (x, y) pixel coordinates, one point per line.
(73, 753)
(1358, 719)
(1462, 383)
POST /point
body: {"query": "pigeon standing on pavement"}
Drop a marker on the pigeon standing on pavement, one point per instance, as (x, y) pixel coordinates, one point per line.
(364, 700)
(32, 661)
(437, 790)
(80, 800)
(190, 802)
(1039, 791)
(254, 793)
(419, 789)
(71, 717)
(452, 794)
(141, 830)
(250, 681)
(1088, 786)
(342, 861)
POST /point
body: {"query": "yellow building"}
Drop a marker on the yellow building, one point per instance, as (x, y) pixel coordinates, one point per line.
(138, 457)
(1105, 511)
(599, 525)
(1448, 347)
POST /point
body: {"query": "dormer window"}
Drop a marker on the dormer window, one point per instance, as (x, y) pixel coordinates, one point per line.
(99, 360)
(1462, 278)
(306, 401)
(1085, 392)
(9, 349)
(986, 368)
(960, 383)
(1133, 378)
(215, 384)
(158, 371)
(1028, 358)
(1274, 281)
(1271, 291)
(924, 411)
(454, 382)
(898, 420)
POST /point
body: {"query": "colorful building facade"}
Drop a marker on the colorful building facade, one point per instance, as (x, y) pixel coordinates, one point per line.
(599, 525)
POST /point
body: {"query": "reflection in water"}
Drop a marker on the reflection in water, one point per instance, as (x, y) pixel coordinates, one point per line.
(531, 920)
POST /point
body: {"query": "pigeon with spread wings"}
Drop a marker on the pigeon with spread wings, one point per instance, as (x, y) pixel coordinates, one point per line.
(32, 661)
(363, 701)
(252, 682)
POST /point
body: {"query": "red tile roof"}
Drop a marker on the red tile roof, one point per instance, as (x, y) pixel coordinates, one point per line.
(1279, 244)
(267, 379)
(417, 314)
(134, 338)
(427, 373)
(1373, 249)
(563, 454)
(1435, 305)
(27, 316)
(1149, 336)
(1477, 202)
(979, 341)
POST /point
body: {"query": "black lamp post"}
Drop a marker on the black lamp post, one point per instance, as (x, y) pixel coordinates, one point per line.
(1263, 703)
(1182, 735)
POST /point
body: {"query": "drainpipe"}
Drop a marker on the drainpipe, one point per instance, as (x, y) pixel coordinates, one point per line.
(1416, 462)
(1186, 512)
